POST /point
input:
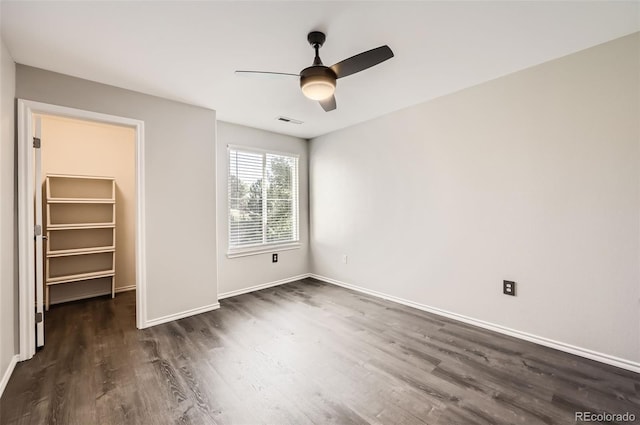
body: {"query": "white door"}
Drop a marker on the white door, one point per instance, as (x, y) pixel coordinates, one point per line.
(39, 232)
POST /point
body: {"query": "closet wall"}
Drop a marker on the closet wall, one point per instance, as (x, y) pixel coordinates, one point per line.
(87, 148)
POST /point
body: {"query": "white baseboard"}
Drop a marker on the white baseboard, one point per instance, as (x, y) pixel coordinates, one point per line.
(7, 374)
(561, 346)
(261, 286)
(125, 288)
(181, 315)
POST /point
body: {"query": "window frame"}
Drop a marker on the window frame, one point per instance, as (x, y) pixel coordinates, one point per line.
(265, 247)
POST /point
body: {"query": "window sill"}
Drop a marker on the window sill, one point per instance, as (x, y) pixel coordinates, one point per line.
(262, 249)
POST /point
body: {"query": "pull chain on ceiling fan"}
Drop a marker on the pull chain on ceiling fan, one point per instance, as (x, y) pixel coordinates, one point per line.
(318, 82)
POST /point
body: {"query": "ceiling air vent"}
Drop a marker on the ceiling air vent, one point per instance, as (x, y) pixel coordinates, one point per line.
(289, 120)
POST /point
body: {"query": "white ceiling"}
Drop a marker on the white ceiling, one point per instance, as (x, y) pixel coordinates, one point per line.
(188, 51)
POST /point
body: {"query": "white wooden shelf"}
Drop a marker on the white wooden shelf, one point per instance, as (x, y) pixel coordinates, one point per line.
(79, 277)
(82, 226)
(79, 203)
(76, 176)
(80, 251)
(72, 226)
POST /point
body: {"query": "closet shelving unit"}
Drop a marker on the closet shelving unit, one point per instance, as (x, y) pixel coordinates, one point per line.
(81, 230)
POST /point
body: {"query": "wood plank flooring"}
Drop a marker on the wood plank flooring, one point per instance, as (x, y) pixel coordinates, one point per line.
(301, 353)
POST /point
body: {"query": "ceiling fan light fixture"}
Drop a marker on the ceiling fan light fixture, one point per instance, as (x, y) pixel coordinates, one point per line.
(318, 89)
(318, 82)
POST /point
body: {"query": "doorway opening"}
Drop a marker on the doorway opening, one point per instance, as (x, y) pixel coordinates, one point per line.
(81, 211)
(87, 172)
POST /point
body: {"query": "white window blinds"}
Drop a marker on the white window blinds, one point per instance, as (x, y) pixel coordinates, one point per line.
(263, 198)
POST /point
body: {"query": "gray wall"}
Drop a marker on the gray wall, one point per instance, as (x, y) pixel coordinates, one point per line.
(238, 274)
(180, 190)
(8, 213)
(532, 177)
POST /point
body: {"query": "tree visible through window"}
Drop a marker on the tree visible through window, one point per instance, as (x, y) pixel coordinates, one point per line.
(263, 198)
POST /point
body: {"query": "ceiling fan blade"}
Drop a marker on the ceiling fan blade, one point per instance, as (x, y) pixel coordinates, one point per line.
(328, 104)
(362, 61)
(265, 74)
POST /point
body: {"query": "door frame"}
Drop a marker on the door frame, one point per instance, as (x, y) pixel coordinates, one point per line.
(26, 187)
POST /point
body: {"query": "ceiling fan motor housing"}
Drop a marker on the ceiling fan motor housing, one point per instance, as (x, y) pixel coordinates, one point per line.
(318, 82)
(316, 38)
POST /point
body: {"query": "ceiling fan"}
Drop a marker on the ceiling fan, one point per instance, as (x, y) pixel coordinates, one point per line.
(318, 82)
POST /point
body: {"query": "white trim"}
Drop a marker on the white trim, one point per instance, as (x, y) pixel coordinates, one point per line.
(262, 249)
(26, 245)
(125, 288)
(561, 346)
(141, 236)
(262, 286)
(218, 209)
(26, 109)
(182, 315)
(7, 373)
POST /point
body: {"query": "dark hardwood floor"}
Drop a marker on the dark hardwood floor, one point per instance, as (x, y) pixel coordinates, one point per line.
(300, 353)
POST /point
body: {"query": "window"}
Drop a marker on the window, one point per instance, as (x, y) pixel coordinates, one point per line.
(263, 201)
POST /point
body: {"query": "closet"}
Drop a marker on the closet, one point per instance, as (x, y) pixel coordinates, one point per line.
(89, 200)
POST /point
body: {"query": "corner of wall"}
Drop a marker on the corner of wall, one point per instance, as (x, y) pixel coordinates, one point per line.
(9, 341)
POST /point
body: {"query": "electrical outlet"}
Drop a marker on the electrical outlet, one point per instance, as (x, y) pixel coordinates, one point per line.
(509, 288)
(344, 258)
(274, 258)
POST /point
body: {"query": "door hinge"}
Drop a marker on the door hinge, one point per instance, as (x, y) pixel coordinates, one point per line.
(36, 142)
(37, 230)
(38, 317)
